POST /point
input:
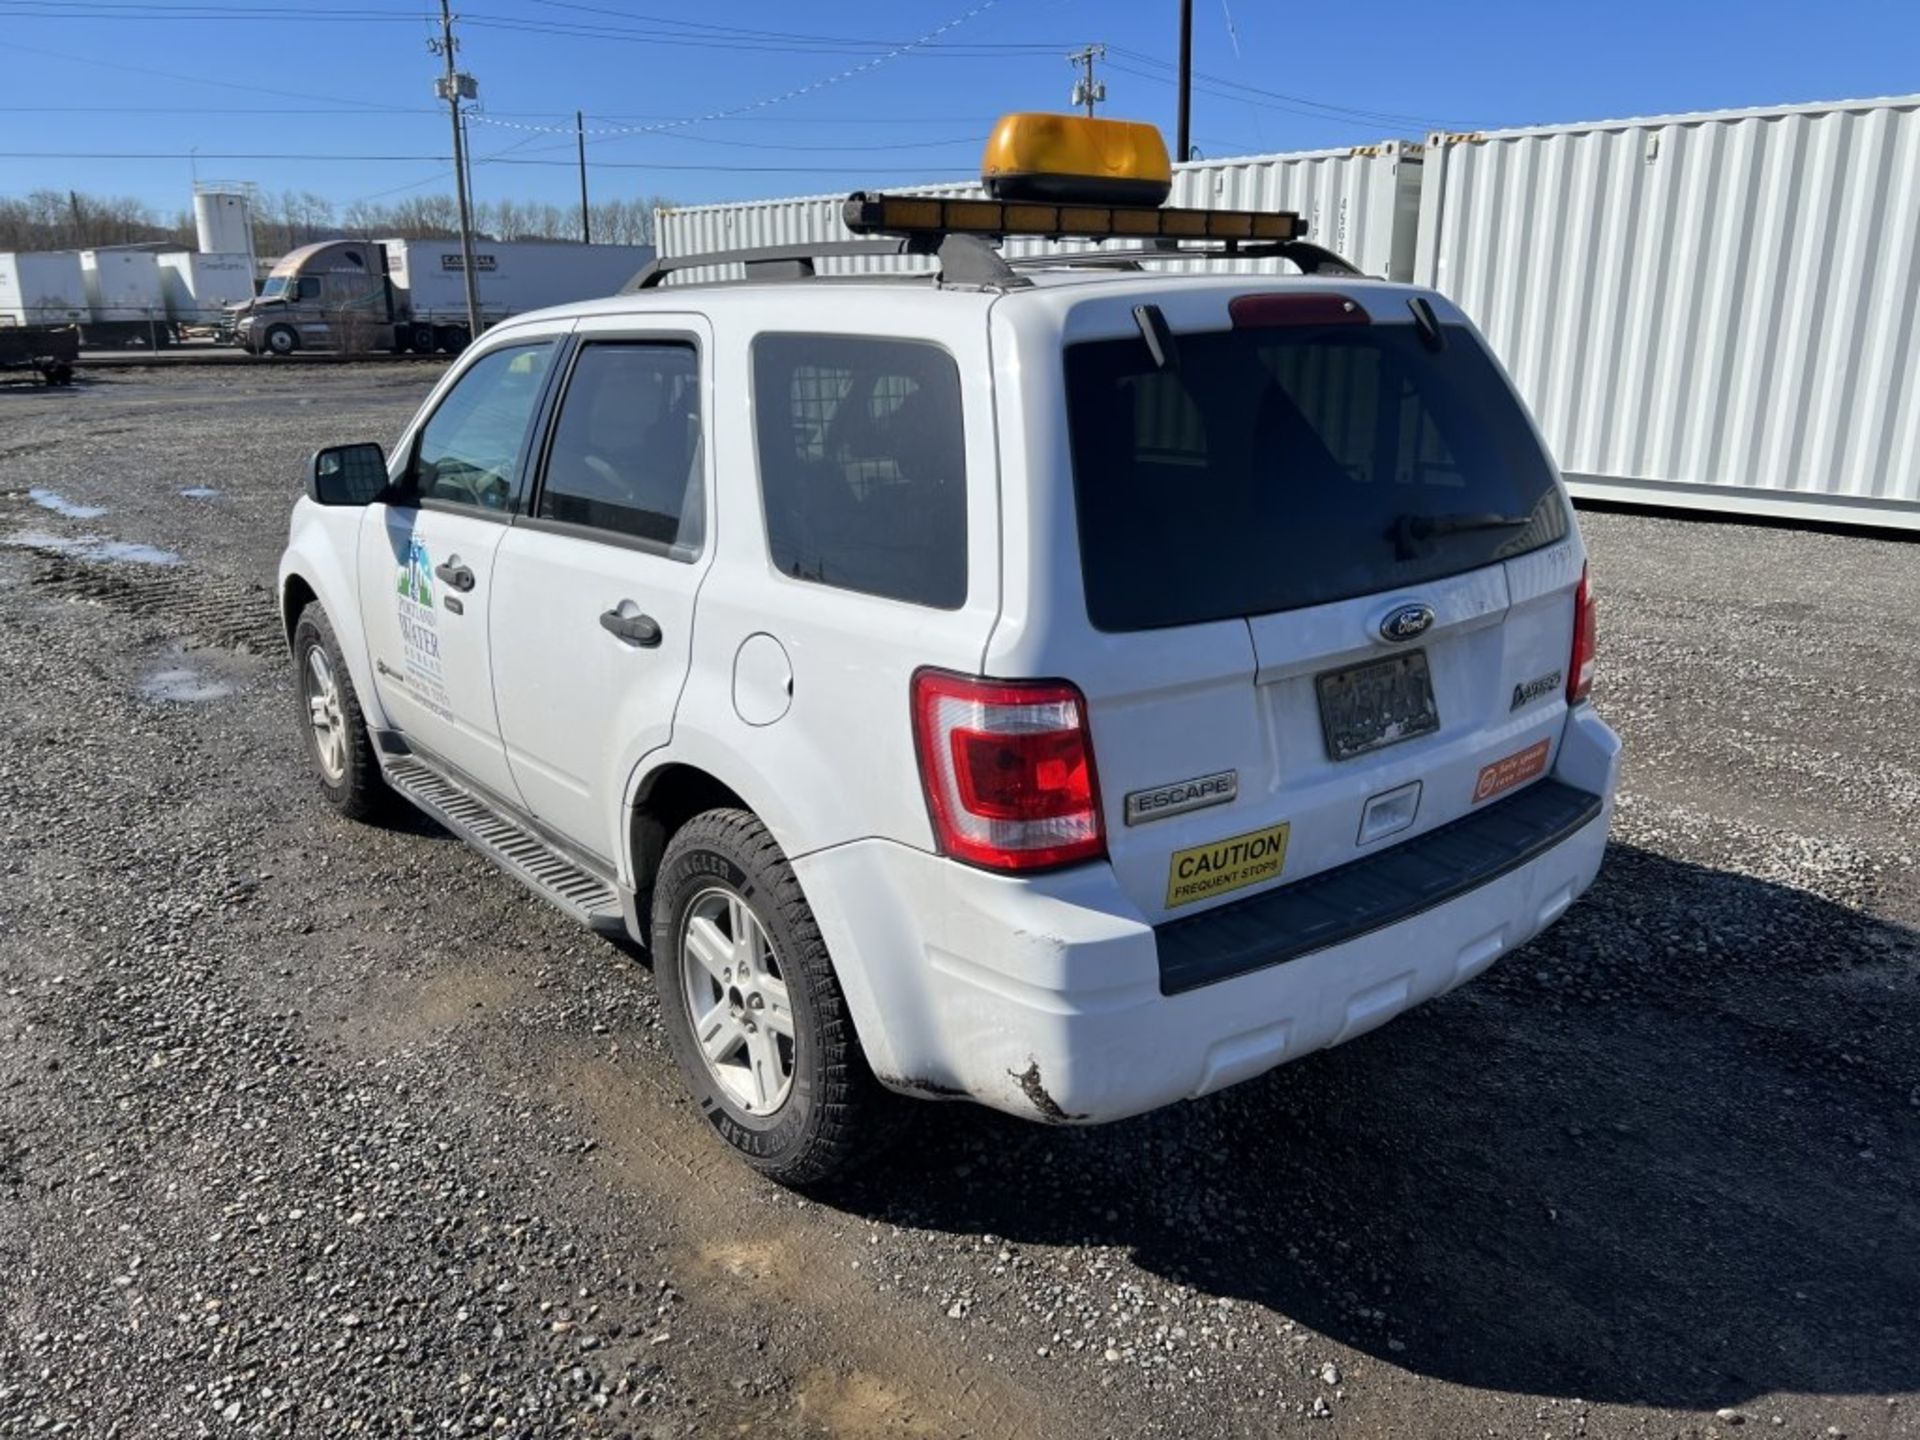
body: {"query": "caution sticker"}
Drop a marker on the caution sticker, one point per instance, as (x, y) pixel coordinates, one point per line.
(1232, 864)
(1515, 769)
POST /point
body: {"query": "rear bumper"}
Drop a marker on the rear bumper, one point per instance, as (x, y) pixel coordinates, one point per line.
(1044, 997)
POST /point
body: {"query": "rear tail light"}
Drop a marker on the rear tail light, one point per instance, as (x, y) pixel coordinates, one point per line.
(1008, 770)
(1580, 665)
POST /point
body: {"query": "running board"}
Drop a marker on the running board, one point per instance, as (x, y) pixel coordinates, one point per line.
(516, 850)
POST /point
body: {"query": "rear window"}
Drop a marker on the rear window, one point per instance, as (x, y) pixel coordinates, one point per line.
(862, 464)
(1288, 466)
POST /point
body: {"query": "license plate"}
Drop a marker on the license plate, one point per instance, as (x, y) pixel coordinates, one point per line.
(1379, 703)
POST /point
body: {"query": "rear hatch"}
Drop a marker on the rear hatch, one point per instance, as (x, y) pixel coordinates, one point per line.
(1333, 577)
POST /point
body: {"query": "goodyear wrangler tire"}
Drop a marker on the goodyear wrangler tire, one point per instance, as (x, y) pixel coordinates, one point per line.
(753, 1010)
(337, 742)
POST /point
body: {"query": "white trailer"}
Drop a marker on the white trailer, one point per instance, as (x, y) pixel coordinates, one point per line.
(1714, 310)
(125, 304)
(198, 288)
(1362, 202)
(511, 277)
(42, 288)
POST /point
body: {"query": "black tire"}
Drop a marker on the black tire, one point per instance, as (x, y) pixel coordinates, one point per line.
(835, 1112)
(282, 340)
(421, 339)
(452, 339)
(358, 791)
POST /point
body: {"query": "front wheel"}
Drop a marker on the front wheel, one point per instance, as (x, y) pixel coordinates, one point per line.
(336, 732)
(752, 1006)
(283, 340)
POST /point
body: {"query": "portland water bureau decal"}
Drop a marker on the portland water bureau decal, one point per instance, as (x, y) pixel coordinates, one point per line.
(419, 623)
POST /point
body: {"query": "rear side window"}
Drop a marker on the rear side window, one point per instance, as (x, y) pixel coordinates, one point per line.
(625, 457)
(1289, 466)
(863, 468)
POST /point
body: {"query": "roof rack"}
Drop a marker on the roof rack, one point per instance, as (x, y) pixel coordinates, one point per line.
(973, 260)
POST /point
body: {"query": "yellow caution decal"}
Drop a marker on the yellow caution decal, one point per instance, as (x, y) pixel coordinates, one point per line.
(1231, 864)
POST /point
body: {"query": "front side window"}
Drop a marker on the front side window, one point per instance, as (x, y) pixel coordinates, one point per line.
(863, 467)
(626, 454)
(469, 451)
(309, 287)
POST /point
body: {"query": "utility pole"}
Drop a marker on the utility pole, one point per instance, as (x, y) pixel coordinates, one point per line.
(451, 88)
(580, 138)
(1183, 131)
(1086, 90)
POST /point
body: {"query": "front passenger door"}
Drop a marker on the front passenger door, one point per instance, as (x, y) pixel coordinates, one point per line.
(427, 557)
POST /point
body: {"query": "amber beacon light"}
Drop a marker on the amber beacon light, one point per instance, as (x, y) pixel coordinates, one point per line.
(1076, 159)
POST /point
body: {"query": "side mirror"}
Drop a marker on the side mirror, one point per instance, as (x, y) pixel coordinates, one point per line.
(347, 474)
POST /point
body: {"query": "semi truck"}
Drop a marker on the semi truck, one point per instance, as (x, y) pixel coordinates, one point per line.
(409, 296)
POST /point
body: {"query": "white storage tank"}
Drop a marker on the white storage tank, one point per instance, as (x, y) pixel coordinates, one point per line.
(1714, 310)
(222, 222)
(43, 287)
(122, 285)
(1362, 202)
(198, 288)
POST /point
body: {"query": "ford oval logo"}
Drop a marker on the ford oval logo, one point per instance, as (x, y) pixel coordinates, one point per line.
(1406, 622)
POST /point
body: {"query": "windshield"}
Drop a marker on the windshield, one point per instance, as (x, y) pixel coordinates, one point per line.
(275, 287)
(1271, 468)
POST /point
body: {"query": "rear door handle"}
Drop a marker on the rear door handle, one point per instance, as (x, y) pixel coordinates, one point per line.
(455, 574)
(640, 630)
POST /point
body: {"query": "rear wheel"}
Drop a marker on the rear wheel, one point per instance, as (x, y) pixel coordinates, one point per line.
(336, 732)
(752, 1006)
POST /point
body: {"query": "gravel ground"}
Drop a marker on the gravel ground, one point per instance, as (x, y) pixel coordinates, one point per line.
(309, 1129)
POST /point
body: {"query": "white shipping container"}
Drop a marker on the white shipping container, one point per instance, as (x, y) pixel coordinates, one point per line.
(510, 277)
(1361, 202)
(42, 288)
(198, 288)
(123, 285)
(1715, 310)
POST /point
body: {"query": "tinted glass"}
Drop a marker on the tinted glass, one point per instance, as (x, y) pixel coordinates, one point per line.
(470, 450)
(1291, 466)
(626, 448)
(862, 465)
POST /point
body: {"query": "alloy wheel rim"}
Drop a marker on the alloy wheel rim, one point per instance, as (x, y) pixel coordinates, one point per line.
(323, 713)
(737, 1001)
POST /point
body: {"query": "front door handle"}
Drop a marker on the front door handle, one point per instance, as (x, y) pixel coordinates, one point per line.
(455, 574)
(640, 630)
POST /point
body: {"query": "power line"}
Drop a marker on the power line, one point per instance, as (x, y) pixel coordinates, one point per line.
(367, 105)
(1281, 99)
(498, 158)
(370, 109)
(767, 102)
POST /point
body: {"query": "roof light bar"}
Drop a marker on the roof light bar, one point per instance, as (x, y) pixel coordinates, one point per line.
(871, 214)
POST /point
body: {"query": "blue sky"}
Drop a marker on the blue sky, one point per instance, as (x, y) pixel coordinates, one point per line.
(832, 96)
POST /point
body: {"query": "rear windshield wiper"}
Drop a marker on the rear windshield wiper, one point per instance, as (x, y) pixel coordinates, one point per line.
(1407, 530)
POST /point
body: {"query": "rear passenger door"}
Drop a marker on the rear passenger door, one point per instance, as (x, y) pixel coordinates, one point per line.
(592, 611)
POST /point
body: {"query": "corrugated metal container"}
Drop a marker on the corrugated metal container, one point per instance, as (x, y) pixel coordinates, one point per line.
(1362, 202)
(1715, 310)
(199, 287)
(42, 287)
(123, 285)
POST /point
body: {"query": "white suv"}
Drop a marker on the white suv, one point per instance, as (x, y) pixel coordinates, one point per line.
(1066, 687)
